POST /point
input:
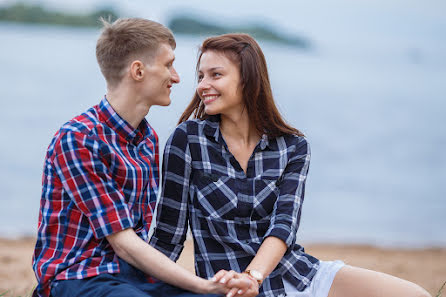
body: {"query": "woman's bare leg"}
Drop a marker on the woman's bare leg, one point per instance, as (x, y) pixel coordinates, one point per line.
(353, 282)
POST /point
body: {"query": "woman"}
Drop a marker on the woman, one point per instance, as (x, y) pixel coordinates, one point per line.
(236, 173)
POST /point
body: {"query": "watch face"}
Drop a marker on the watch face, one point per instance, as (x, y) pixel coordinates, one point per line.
(257, 275)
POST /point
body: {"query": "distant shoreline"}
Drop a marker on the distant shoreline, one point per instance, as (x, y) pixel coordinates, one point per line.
(36, 14)
(180, 24)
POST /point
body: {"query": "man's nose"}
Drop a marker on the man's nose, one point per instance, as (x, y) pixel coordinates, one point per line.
(175, 76)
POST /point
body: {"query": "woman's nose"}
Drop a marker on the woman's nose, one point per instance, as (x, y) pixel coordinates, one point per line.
(202, 85)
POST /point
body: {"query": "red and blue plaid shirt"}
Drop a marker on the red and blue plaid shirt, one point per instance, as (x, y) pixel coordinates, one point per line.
(100, 177)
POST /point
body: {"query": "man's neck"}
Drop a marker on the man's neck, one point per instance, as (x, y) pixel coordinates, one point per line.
(128, 105)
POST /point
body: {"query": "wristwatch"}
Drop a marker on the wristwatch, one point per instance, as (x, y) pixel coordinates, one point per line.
(256, 275)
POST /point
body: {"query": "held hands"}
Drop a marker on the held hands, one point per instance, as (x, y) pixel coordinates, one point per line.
(237, 284)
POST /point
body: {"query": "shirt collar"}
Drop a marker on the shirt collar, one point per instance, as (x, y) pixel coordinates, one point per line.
(212, 129)
(264, 142)
(121, 126)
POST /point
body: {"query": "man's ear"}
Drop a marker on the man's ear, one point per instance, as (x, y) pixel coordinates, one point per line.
(137, 69)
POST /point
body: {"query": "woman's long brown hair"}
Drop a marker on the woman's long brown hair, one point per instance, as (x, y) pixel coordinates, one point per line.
(258, 99)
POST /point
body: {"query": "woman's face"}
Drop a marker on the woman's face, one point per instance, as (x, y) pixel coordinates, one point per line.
(219, 84)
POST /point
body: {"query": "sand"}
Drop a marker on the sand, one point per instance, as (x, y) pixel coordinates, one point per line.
(426, 267)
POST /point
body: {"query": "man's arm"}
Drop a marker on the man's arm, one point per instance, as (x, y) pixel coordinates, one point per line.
(132, 249)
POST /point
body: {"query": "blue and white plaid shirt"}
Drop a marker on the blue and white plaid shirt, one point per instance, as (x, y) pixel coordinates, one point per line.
(230, 213)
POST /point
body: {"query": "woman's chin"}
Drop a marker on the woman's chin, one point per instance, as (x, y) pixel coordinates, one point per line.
(210, 111)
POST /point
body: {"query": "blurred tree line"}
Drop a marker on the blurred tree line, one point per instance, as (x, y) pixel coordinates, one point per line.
(181, 24)
(25, 13)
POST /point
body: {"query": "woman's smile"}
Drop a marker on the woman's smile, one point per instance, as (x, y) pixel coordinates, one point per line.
(207, 99)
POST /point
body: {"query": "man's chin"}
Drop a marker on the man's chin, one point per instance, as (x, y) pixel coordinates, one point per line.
(165, 102)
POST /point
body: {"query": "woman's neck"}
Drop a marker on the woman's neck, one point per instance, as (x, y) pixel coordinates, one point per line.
(239, 129)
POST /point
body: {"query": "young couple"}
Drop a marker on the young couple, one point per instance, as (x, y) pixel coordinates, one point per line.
(235, 174)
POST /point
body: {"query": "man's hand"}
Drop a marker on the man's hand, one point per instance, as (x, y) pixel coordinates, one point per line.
(238, 284)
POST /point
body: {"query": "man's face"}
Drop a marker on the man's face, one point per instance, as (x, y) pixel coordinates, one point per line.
(160, 76)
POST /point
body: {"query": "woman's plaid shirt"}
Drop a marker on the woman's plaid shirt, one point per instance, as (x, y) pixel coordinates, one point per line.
(100, 177)
(230, 213)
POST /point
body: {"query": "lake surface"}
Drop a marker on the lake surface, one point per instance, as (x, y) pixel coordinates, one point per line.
(373, 112)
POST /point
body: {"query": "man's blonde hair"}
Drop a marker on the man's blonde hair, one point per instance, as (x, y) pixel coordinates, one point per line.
(127, 39)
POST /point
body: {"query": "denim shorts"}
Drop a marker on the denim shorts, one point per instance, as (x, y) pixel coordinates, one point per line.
(128, 282)
(320, 284)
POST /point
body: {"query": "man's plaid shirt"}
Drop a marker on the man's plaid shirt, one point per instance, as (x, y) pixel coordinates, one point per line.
(230, 213)
(100, 177)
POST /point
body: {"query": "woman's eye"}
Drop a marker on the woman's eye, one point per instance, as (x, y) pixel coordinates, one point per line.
(216, 74)
(200, 78)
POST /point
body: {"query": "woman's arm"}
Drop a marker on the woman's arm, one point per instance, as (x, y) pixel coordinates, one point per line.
(268, 256)
(172, 211)
(266, 259)
(286, 214)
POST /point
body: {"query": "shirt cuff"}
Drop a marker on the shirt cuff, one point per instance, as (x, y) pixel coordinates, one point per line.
(282, 232)
(172, 251)
(110, 222)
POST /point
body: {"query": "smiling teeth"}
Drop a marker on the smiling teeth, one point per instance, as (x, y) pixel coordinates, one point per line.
(210, 97)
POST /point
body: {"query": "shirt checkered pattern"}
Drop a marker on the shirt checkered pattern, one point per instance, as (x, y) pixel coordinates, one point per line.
(100, 177)
(230, 213)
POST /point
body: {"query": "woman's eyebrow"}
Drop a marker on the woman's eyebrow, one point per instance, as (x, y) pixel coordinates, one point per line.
(212, 68)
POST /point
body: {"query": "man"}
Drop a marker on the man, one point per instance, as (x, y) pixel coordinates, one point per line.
(100, 180)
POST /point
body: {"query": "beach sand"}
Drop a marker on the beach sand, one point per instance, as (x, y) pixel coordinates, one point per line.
(426, 267)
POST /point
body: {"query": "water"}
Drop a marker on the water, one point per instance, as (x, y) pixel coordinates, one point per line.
(373, 112)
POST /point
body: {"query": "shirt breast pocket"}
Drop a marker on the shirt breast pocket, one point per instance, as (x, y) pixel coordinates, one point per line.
(214, 195)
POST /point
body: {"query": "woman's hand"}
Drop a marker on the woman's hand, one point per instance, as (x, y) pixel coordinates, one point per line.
(238, 284)
(212, 287)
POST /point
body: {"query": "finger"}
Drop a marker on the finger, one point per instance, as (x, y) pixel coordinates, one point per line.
(219, 275)
(232, 292)
(240, 282)
(228, 276)
(249, 293)
(240, 292)
(218, 288)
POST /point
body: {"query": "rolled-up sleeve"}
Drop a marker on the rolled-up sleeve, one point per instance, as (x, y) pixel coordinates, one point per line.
(79, 164)
(172, 211)
(286, 214)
